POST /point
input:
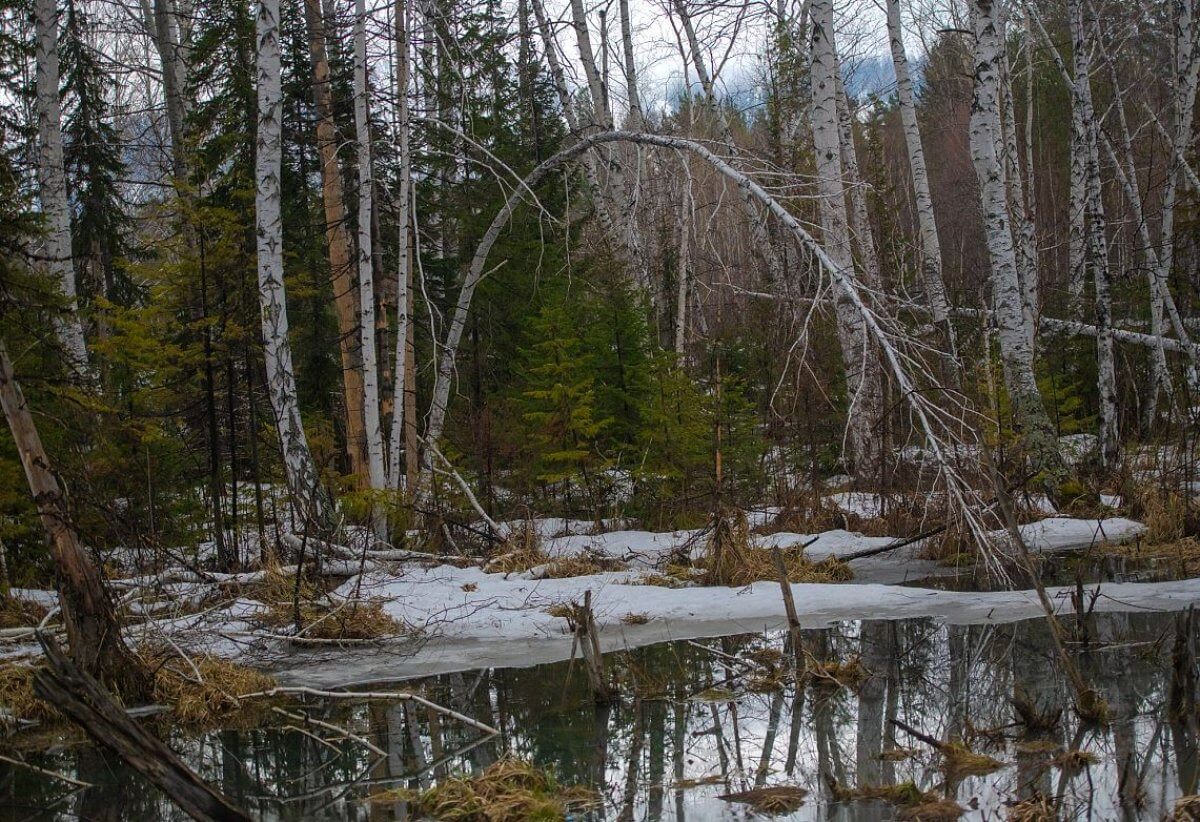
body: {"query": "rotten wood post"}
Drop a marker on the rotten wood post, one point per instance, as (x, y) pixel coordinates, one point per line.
(589, 645)
(789, 605)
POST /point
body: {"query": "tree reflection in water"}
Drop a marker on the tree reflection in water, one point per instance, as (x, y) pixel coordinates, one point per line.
(689, 727)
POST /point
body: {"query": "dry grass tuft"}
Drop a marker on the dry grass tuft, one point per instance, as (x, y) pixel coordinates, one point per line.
(962, 761)
(836, 674)
(214, 696)
(778, 799)
(351, 620)
(1187, 809)
(17, 697)
(523, 552)
(1091, 707)
(635, 619)
(901, 794)
(20, 613)
(1169, 515)
(939, 810)
(1074, 760)
(1037, 808)
(733, 560)
(511, 790)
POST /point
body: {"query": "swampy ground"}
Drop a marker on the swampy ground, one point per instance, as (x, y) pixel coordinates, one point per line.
(698, 720)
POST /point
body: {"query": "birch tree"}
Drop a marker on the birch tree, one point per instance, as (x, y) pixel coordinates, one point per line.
(930, 243)
(862, 376)
(1016, 351)
(300, 470)
(403, 426)
(52, 181)
(376, 471)
(1094, 229)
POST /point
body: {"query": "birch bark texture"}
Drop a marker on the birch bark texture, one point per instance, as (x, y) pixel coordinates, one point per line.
(52, 182)
(402, 420)
(299, 468)
(931, 247)
(376, 471)
(1016, 351)
(863, 386)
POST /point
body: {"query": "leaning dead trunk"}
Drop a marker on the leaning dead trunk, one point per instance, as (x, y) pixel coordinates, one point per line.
(88, 614)
(52, 180)
(858, 355)
(301, 472)
(1016, 352)
(337, 238)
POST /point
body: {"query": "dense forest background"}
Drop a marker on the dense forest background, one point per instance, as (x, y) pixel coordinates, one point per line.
(646, 340)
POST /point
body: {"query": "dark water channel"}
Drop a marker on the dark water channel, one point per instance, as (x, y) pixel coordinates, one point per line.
(688, 729)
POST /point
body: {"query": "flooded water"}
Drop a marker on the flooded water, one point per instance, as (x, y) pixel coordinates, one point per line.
(694, 723)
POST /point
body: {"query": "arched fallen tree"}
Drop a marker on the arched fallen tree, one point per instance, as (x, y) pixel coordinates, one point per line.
(935, 423)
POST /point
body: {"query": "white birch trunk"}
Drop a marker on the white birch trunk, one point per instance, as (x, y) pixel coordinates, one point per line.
(52, 180)
(302, 478)
(685, 262)
(862, 377)
(396, 473)
(1097, 242)
(635, 119)
(376, 471)
(860, 221)
(931, 249)
(1024, 244)
(1029, 412)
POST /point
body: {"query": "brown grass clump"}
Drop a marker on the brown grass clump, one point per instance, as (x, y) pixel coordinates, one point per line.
(1091, 707)
(214, 696)
(901, 794)
(351, 620)
(836, 674)
(962, 761)
(1169, 515)
(1037, 808)
(17, 696)
(1074, 760)
(1187, 809)
(659, 581)
(732, 560)
(511, 790)
(579, 566)
(777, 799)
(939, 810)
(635, 619)
(20, 613)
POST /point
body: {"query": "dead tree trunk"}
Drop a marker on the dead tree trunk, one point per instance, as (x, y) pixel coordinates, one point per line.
(85, 701)
(88, 614)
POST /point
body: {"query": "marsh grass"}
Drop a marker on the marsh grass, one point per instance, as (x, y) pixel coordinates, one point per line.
(732, 559)
(510, 790)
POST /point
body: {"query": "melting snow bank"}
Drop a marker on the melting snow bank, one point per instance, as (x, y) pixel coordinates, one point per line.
(478, 620)
(650, 549)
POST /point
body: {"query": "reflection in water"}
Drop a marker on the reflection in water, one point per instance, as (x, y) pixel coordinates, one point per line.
(691, 726)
